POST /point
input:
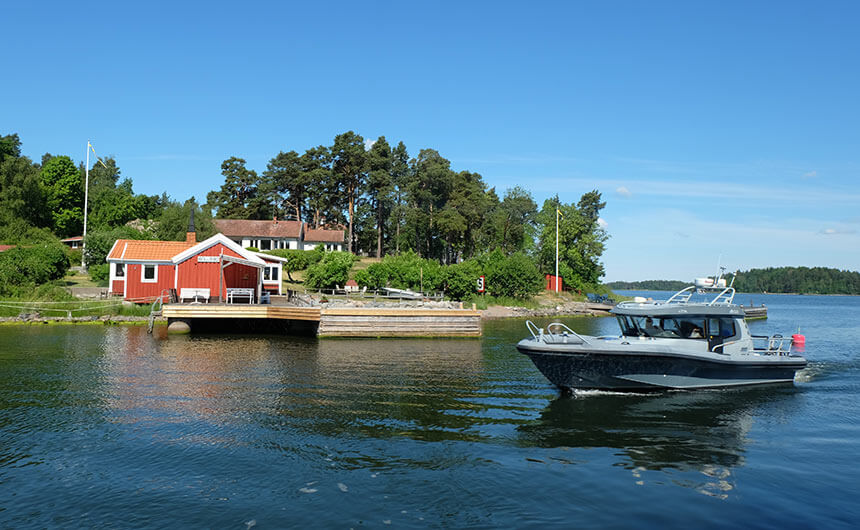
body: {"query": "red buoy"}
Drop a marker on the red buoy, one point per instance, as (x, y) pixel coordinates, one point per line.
(798, 339)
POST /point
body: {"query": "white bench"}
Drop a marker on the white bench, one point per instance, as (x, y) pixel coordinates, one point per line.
(239, 292)
(195, 294)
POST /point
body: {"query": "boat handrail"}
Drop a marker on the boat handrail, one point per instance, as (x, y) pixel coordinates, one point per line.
(720, 345)
(775, 344)
(553, 334)
(537, 333)
(683, 296)
(728, 293)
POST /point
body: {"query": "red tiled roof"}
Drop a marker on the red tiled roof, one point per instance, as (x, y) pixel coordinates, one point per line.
(241, 227)
(4, 248)
(70, 239)
(320, 235)
(134, 250)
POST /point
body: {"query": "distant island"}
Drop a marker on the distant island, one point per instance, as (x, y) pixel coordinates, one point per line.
(801, 280)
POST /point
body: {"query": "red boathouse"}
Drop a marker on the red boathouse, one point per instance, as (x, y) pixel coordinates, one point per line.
(216, 269)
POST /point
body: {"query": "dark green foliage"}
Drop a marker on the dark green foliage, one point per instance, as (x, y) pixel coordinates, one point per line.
(27, 267)
(650, 285)
(332, 270)
(99, 274)
(805, 280)
(173, 222)
(99, 242)
(240, 197)
(406, 271)
(461, 279)
(515, 275)
(75, 256)
(580, 240)
(64, 190)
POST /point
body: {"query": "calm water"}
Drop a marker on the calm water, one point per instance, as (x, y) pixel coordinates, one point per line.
(111, 427)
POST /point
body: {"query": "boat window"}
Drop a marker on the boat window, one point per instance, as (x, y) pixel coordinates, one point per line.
(691, 327)
(645, 326)
(721, 327)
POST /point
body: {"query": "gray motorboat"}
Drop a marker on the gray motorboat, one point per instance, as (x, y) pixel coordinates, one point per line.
(679, 343)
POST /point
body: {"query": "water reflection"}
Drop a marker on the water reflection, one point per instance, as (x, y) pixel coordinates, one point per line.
(703, 431)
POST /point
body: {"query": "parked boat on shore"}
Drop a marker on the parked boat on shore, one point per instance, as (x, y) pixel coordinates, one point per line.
(678, 343)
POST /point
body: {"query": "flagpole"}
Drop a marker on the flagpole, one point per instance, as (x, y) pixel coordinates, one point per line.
(86, 201)
(556, 248)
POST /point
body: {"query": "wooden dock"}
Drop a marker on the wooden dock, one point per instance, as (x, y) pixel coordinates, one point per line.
(333, 322)
(752, 312)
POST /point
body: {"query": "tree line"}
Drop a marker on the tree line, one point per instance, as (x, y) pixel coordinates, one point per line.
(388, 202)
(802, 280)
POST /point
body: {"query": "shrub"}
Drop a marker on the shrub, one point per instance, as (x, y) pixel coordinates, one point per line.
(515, 276)
(297, 260)
(461, 279)
(332, 270)
(32, 266)
(405, 271)
(99, 273)
(75, 256)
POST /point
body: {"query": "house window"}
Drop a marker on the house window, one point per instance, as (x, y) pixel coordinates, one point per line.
(149, 274)
(120, 270)
(270, 273)
(265, 244)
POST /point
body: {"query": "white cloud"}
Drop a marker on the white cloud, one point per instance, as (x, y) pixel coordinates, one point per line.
(602, 222)
(368, 143)
(810, 174)
(623, 191)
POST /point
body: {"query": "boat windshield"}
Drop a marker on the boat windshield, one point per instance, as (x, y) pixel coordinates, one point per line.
(662, 327)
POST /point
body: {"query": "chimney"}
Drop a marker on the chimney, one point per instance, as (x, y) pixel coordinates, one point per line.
(191, 235)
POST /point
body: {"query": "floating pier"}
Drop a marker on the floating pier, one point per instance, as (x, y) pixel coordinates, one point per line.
(752, 312)
(327, 322)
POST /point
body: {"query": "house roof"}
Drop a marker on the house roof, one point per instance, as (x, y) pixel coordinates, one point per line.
(4, 248)
(70, 239)
(242, 227)
(321, 235)
(139, 250)
(172, 251)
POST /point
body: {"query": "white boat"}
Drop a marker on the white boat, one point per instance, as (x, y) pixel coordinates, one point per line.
(678, 343)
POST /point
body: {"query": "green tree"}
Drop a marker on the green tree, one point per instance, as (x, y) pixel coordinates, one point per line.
(289, 182)
(22, 197)
(380, 186)
(64, 189)
(332, 270)
(239, 196)
(580, 240)
(10, 147)
(349, 164)
(401, 172)
(510, 226)
(173, 222)
(99, 242)
(322, 194)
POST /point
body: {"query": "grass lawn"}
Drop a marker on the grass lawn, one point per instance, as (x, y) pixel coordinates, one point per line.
(78, 279)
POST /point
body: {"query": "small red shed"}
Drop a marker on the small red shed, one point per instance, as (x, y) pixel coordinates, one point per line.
(550, 282)
(142, 271)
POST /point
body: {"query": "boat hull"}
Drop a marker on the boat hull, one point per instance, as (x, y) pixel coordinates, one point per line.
(644, 371)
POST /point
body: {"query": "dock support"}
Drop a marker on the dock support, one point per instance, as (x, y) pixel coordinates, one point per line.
(178, 326)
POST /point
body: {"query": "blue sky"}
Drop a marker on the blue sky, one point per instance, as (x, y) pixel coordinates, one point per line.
(715, 130)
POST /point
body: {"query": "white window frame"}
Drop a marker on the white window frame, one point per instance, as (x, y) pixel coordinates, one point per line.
(143, 267)
(268, 270)
(117, 267)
